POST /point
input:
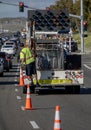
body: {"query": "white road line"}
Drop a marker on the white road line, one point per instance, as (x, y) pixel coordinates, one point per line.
(18, 66)
(87, 67)
(15, 80)
(16, 84)
(18, 97)
(34, 125)
(16, 90)
(22, 108)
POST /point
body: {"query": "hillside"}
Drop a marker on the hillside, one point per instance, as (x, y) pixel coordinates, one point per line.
(12, 24)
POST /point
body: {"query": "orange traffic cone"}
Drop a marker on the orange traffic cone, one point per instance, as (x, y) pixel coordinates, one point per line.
(21, 78)
(57, 121)
(28, 105)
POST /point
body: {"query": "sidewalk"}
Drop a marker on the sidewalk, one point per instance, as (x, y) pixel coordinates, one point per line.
(87, 50)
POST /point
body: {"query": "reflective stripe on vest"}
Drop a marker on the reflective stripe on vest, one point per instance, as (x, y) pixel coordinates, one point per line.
(25, 56)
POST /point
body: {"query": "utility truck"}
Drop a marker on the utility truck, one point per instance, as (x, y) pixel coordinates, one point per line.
(55, 66)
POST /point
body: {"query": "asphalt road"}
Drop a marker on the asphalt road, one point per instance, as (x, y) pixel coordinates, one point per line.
(75, 110)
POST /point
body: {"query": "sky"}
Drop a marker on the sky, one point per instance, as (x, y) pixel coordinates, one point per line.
(13, 11)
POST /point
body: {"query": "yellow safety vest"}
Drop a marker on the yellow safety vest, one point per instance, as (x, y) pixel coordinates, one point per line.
(26, 54)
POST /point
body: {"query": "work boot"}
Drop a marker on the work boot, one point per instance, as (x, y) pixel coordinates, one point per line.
(37, 84)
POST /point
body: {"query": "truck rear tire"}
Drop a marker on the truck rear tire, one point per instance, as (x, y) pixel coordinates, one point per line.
(69, 89)
(76, 89)
(73, 89)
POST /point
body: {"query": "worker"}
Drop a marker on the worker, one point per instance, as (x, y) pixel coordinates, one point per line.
(27, 60)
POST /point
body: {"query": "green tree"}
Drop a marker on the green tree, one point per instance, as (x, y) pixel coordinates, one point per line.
(75, 9)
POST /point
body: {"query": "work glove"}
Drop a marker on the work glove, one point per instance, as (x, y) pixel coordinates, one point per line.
(23, 66)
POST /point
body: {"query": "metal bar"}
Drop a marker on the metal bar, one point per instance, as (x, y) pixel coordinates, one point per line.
(75, 16)
(7, 3)
(82, 31)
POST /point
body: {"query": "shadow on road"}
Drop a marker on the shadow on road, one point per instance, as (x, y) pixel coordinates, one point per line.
(8, 82)
(62, 91)
(7, 75)
(49, 91)
(14, 71)
(52, 91)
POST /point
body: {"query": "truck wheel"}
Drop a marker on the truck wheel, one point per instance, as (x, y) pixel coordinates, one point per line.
(76, 89)
(73, 89)
(69, 89)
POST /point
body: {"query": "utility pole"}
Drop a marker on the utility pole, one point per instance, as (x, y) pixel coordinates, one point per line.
(81, 17)
(82, 30)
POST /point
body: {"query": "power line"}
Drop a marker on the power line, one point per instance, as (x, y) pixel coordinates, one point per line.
(25, 6)
(1, 2)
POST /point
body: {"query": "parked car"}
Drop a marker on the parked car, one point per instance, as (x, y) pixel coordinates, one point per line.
(6, 60)
(1, 67)
(10, 60)
(1, 41)
(10, 49)
(11, 43)
(4, 38)
(17, 36)
(16, 40)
